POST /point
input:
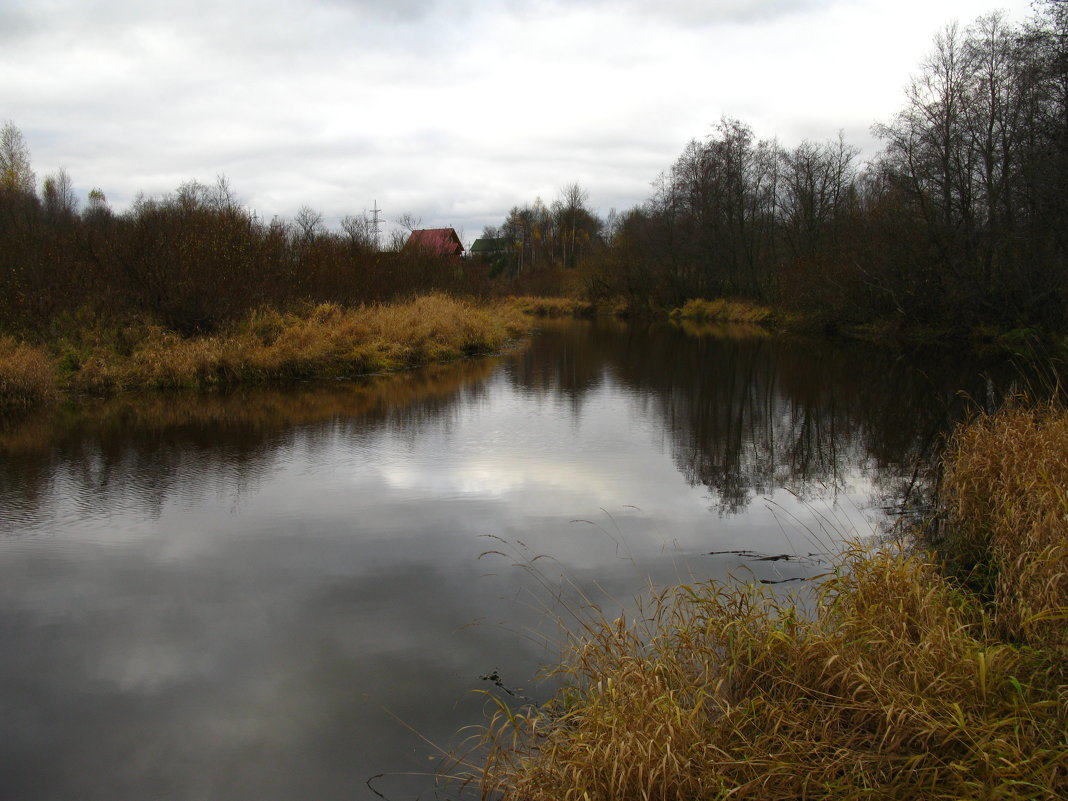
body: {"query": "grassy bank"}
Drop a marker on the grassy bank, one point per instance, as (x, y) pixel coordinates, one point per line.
(983, 339)
(698, 310)
(538, 306)
(557, 306)
(722, 310)
(902, 679)
(323, 341)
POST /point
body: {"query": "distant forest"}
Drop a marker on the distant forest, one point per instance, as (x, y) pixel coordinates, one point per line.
(961, 221)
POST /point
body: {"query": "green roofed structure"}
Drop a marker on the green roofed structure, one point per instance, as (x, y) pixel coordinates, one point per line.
(499, 255)
(491, 248)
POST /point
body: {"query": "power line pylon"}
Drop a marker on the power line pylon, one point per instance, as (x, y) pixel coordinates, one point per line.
(375, 223)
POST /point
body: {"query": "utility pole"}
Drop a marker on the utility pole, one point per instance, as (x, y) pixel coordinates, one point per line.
(374, 223)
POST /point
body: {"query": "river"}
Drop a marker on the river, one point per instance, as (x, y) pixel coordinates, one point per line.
(305, 593)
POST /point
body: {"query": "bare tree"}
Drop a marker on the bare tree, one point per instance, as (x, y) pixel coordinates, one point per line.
(928, 142)
(221, 196)
(397, 240)
(813, 185)
(361, 231)
(573, 221)
(409, 221)
(309, 223)
(60, 202)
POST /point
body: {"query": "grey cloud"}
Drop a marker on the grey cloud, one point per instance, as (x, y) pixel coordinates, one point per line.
(701, 12)
(16, 23)
(393, 10)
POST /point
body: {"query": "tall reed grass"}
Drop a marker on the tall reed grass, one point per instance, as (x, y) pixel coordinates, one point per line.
(1005, 528)
(26, 376)
(724, 311)
(539, 306)
(888, 679)
(321, 341)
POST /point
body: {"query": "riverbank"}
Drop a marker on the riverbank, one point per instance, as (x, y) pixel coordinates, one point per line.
(322, 341)
(982, 339)
(914, 672)
(331, 341)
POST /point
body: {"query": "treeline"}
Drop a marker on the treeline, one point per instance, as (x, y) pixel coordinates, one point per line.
(962, 220)
(562, 234)
(191, 260)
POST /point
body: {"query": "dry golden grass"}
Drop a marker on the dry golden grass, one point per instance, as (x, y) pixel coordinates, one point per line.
(724, 311)
(1005, 490)
(322, 341)
(27, 379)
(893, 689)
(897, 681)
(552, 307)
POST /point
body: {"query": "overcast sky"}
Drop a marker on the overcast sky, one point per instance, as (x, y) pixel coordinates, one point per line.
(450, 110)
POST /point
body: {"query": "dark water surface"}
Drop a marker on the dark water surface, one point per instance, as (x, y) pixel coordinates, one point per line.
(267, 595)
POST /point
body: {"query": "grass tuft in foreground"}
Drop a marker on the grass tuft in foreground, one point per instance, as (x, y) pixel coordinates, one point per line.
(895, 682)
(1005, 491)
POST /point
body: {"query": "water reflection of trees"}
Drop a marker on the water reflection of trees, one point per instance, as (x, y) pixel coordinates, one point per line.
(743, 416)
(147, 449)
(747, 415)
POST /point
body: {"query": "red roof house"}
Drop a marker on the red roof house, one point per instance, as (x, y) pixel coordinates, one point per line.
(436, 242)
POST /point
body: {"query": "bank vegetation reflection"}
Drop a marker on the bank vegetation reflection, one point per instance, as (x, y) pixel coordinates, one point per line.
(743, 415)
(141, 450)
